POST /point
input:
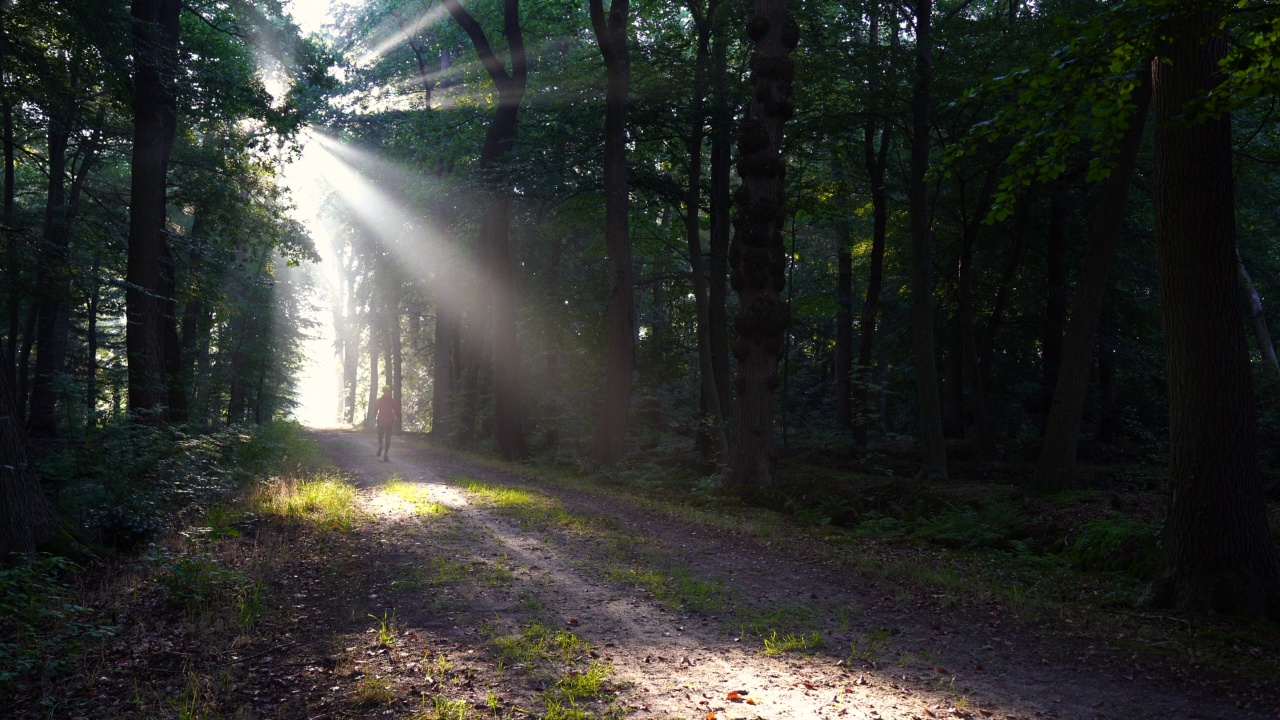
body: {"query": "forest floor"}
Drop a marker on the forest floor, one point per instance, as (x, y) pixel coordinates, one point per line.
(466, 590)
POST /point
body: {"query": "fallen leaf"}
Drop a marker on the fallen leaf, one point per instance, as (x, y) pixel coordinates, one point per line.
(751, 701)
(735, 695)
(943, 670)
(574, 621)
(1098, 704)
(710, 716)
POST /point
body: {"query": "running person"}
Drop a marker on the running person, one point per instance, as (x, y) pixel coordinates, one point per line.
(387, 410)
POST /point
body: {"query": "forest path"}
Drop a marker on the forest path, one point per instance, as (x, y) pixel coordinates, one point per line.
(677, 609)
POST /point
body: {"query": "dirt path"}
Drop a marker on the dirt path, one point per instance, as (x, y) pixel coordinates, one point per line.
(883, 653)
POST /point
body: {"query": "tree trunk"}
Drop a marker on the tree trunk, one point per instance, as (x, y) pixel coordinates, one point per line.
(193, 311)
(710, 404)
(932, 446)
(876, 159)
(7, 225)
(26, 518)
(155, 38)
(495, 225)
(620, 358)
(373, 371)
(53, 284)
(718, 261)
(1055, 306)
(757, 254)
(91, 339)
(1216, 550)
(844, 325)
(1253, 304)
(1057, 463)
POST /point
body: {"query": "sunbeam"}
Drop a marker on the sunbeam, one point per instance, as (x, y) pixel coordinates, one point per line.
(402, 32)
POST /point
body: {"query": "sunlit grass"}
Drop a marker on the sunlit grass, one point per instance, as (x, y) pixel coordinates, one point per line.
(540, 644)
(782, 644)
(526, 506)
(327, 502)
(414, 495)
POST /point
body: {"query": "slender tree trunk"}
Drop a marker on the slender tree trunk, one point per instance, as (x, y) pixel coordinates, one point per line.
(757, 255)
(876, 159)
(24, 362)
(91, 339)
(1057, 463)
(1253, 303)
(709, 402)
(1108, 396)
(1216, 550)
(718, 260)
(396, 367)
(155, 36)
(193, 310)
(8, 227)
(932, 446)
(350, 350)
(26, 518)
(844, 325)
(620, 358)
(1021, 232)
(495, 225)
(373, 371)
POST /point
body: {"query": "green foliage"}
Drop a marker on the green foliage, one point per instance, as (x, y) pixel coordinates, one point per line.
(42, 630)
(1115, 544)
(198, 583)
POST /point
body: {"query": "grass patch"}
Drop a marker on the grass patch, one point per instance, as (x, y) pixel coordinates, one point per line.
(372, 690)
(869, 647)
(675, 586)
(327, 502)
(777, 644)
(539, 644)
(414, 495)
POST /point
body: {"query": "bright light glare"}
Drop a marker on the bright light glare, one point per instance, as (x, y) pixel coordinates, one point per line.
(320, 382)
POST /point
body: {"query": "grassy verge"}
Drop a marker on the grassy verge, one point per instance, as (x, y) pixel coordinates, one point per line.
(1077, 561)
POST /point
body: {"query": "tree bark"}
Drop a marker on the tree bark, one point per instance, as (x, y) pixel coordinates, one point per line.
(620, 358)
(1055, 306)
(932, 445)
(757, 254)
(495, 225)
(1216, 550)
(1056, 467)
(155, 39)
(26, 518)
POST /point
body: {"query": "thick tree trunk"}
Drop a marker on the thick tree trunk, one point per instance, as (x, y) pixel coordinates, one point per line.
(984, 432)
(53, 285)
(26, 518)
(1057, 463)
(620, 358)
(1216, 550)
(757, 254)
(495, 225)
(932, 446)
(155, 35)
